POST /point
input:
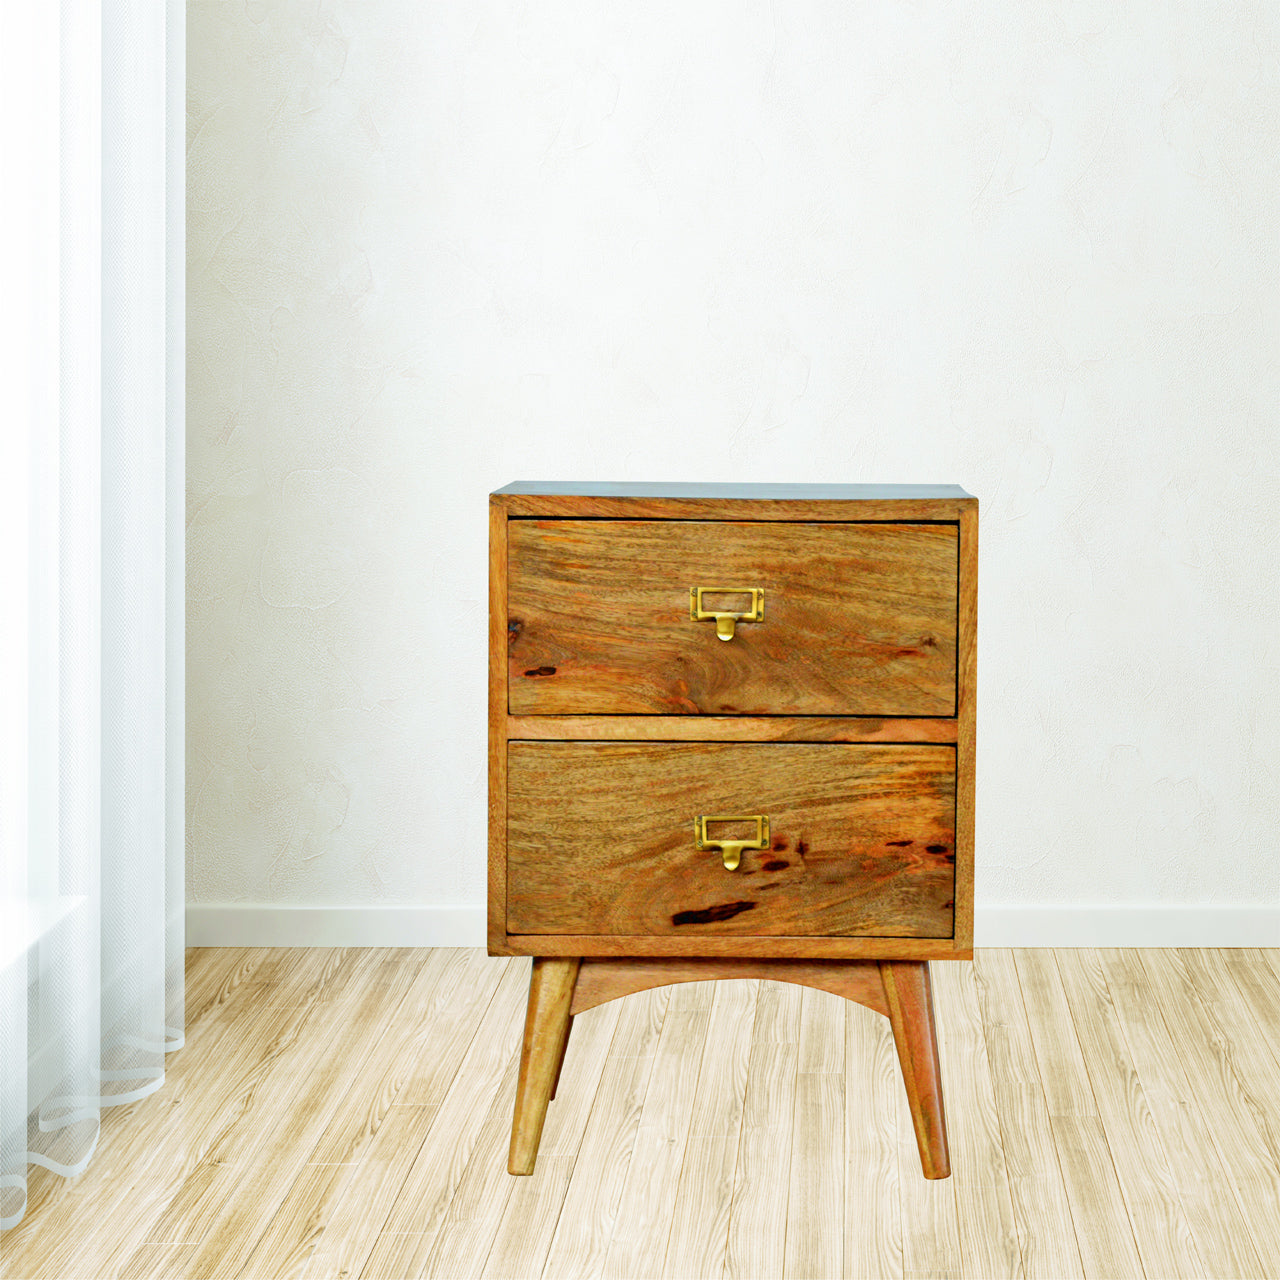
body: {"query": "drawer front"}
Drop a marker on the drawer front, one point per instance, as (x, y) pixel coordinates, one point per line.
(601, 839)
(858, 619)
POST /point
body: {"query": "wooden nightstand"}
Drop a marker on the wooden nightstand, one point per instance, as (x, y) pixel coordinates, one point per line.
(731, 734)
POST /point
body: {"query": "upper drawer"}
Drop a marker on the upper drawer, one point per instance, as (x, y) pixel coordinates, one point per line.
(859, 619)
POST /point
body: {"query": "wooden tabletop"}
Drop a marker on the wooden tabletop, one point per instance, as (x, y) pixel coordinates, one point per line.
(775, 492)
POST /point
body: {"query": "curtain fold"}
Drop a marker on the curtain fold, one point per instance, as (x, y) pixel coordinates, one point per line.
(91, 882)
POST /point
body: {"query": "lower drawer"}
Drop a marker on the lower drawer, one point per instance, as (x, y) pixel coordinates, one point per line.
(601, 839)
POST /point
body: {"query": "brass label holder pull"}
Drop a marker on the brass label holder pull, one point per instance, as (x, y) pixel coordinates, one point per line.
(726, 619)
(731, 849)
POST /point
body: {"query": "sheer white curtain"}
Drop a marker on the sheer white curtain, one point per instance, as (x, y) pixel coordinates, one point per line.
(91, 582)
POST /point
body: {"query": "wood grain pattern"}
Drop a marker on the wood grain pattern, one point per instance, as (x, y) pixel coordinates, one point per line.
(785, 508)
(1041, 1208)
(821, 1043)
(1228, 1073)
(859, 619)
(157, 1262)
(873, 1100)
(497, 924)
(1103, 1228)
(988, 1236)
(1212, 1194)
(931, 1246)
(261, 1138)
(700, 1225)
(422, 1197)
(642, 1227)
(1053, 1034)
(249, 1040)
(460, 978)
(577, 944)
(546, 1034)
(815, 1207)
(153, 1154)
(770, 508)
(908, 994)
(1150, 1191)
(756, 1245)
(862, 839)
(967, 721)
(581, 1241)
(462, 1244)
(733, 728)
(602, 979)
(523, 1235)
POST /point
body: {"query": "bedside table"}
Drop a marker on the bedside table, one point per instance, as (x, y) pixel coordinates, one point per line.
(731, 734)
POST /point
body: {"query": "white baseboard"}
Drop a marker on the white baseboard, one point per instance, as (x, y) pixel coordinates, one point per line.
(1126, 926)
(236, 924)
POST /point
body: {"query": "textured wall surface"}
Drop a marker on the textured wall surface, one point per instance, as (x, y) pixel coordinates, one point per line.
(1025, 247)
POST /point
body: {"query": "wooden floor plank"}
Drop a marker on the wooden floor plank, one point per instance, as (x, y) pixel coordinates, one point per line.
(366, 1100)
(642, 1228)
(988, 1238)
(778, 1008)
(1210, 1195)
(461, 1246)
(756, 1242)
(154, 1145)
(930, 1226)
(700, 1229)
(593, 1200)
(358, 1197)
(821, 1046)
(315, 1084)
(449, 1023)
(1258, 980)
(353, 1223)
(1243, 999)
(522, 1238)
(815, 1200)
(1038, 1196)
(432, 1179)
(1057, 1051)
(155, 1262)
(758, 1215)
(1154, 1205)
(214, 975)
(1104, 1231)
(1220, 1087)
(873, 1098)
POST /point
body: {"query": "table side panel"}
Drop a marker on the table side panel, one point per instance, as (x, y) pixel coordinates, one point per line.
(497, 877)
(967, 721)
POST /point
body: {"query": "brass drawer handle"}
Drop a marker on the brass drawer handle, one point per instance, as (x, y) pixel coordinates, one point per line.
(726, 619)
(731, 849)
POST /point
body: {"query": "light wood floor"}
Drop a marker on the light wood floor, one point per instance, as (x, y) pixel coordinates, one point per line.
(346, 1113)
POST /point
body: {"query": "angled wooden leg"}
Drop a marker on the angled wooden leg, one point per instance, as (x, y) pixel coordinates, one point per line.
(564, 1044)
(546, 1034)
(910, 1000)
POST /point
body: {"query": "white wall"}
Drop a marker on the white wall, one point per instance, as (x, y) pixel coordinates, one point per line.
(1030, 248)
